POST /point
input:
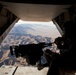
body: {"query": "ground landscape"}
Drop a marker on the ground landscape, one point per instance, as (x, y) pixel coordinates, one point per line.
(19, 35)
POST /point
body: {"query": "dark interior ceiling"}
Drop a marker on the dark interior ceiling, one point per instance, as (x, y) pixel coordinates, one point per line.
(55, 2)
(35, 10)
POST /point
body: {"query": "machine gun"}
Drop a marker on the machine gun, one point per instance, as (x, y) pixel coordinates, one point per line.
(32, 52)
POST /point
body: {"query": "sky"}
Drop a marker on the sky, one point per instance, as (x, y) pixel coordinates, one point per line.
(45, 29)
(34, 22)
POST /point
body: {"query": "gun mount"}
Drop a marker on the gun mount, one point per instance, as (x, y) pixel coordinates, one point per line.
(32, 52)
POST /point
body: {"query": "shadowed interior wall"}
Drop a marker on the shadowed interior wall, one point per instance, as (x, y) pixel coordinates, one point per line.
(7, 20)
